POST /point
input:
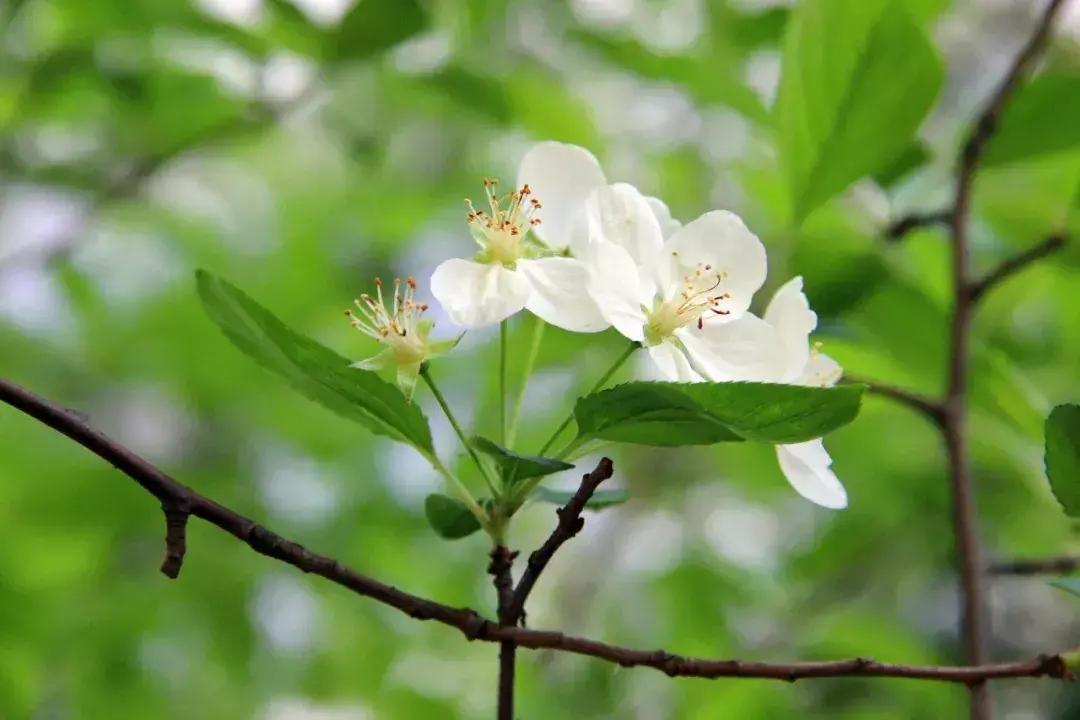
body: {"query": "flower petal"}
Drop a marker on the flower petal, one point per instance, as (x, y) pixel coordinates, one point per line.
(561, 176)
(476, 294)
(820, 371)
(668, 224)
(746, 349)
(621, 215)
(672, 363)
(790, 314)
(806, 467)
(618, 289)
(560, 294)
(720, 240)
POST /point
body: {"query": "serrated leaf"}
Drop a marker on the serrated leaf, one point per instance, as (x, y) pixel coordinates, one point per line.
(372, 26)
(600, 499)
(312, 369)
(858, 77)
(449, 517)
(674, 414)
(1069, 585)
(1063, 456)
(516, 467)
(1042, 119)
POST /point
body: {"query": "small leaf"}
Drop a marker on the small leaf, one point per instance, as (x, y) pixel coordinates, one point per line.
(858, 78)
(675, 414)
(600, 499)
(313, 370)
(515, 467)
(1044, 118)
(372, 26)
(449, 517)
(1069, 585)
(1063, 456)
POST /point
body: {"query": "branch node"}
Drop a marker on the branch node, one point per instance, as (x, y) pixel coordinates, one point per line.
(176, 513)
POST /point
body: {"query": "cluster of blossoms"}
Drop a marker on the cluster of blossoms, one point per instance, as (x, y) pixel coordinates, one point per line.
(587, 255)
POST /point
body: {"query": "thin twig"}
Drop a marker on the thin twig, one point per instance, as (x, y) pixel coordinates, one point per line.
(471, 624)
(965, 522)
(1015, 264)
(1061, 565)
(916, 401)
(569, 524)
(898, 229)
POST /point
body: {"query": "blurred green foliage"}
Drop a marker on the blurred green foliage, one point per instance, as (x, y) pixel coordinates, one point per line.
(301, 149)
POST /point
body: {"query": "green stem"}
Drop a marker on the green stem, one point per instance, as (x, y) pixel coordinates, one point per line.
(463, 493)
(426, 374)
(599, 384)
(530, 361)
(502, 381)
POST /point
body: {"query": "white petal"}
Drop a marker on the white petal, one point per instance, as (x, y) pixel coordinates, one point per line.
(720, 240)
(476, 294)
(561, 176)
(672, 363)
(668, 224)
(618, 289)
(789, 312)
(806, 466)
(746, 349)
(560, 294)
(621, 215)
(820, 371)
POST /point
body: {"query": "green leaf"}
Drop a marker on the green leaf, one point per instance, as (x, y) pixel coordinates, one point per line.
(600, 499)
(1069, 585)
(449, 517)
(675, 414)
(372, 26)
(1063, 456)
(515, 467)
(313, 369)
(858, 78)
(1044, 118)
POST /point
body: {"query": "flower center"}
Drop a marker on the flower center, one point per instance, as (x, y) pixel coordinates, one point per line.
(698, 298)
(501, 229)
(393, 326)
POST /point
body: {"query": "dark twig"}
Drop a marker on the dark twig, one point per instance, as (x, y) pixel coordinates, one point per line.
(176, 517)
(472, 625)
(898, 229)
(502, 561)
(1061, 565)
(569, 524)
(1013, 265)
(965, 523)
(921, 403)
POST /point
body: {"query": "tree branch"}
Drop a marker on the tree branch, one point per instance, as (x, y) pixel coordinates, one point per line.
(914, 221)
(954, 427)
(916, 401)
(1015, 264)
(502, 562)
(1061, 565)
(471, 624)
(569, 524)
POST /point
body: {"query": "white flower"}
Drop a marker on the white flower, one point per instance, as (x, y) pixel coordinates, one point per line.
(522, 261)
(400, 328)
(777, 349)
(663, 292)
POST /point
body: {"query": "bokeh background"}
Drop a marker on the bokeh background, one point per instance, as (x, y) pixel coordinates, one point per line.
(301, 147)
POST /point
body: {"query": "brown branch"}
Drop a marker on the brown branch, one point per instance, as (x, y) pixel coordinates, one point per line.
(471, 624)
(954, 427)
(916, 401)
(502, 562)
(1013, 265)
(569, 524)
(1061, 565)
(914, 221)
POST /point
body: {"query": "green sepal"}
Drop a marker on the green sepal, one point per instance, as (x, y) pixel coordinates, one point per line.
(379, 361)
(406, 379)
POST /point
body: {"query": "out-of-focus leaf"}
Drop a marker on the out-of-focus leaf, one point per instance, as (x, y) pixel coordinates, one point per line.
(372, 26)
(313, 369)
(482, 94)
(449, 517)
(600, 499)
(1063, 456)
(1043, 118)
(517, 467)
(675, 414)
(858, 77)
(912, 158)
